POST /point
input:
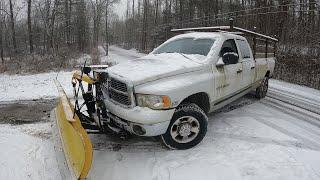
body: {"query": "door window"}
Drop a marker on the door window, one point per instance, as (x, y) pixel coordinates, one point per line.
(229, 52)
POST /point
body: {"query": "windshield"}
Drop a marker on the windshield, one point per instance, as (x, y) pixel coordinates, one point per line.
(187, 46)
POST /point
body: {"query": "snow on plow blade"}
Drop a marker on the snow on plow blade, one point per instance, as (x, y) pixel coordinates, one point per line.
(72, 143)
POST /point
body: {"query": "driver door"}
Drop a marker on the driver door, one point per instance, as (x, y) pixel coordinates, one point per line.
(229, 76)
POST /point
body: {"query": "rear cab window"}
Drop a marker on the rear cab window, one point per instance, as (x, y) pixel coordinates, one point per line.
(244, 49)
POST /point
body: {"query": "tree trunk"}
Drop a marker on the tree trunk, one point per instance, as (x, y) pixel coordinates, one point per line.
(13, 31)
(67, 21)
(181, 12)
(217, 7)
(29, 26)
(156, 12)
(312, 8)
(166, 12)
(53, 17)
(81, 25)
(127, 15)
(1, 33)
(133, 9)
(107, 29)
(144, 25)
(139, 7)
(1, 43)
(98, 19)
(66, 9)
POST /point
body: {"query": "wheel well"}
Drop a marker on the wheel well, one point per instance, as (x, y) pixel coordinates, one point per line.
(268, 74)
(201, 99)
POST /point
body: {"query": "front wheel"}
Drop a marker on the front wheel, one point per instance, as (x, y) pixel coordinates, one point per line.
(262, 90)
(187, 127)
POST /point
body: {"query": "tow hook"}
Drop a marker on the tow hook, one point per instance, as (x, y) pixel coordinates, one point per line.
(122, 133)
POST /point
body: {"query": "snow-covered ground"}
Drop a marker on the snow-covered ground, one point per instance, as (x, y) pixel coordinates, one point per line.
(252, 142)
(256, 141)
(28, 87)
(26, 152)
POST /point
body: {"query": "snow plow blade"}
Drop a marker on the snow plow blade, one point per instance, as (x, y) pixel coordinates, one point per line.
(72, 143)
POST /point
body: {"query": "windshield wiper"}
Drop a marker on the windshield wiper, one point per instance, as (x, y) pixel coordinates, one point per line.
(191, 59)
(187, 57)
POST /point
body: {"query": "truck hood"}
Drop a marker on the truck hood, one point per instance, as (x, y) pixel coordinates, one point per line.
(156, 66)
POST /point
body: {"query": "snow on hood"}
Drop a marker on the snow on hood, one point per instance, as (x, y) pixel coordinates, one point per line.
(156, 66)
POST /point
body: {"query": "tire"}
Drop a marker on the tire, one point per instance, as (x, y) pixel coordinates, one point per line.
(187, 128)
(262, 90)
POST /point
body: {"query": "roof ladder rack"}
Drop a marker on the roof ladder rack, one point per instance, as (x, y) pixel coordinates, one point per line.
(226, 29)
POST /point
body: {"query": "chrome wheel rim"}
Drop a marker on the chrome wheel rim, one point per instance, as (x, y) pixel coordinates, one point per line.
(185, 129)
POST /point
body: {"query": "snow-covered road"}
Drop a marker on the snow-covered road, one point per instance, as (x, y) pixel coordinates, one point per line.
(274, 138)
(239, 145)
(256, 141)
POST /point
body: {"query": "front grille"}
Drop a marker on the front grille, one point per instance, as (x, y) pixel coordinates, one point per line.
(118, 91)
(120, 86)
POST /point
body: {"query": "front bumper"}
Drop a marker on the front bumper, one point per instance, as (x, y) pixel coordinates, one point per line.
(154, 122)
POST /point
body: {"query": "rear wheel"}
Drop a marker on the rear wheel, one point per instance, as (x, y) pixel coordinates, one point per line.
(262, 90)
(187, 127)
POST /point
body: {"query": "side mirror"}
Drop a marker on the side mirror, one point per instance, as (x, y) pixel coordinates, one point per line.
(220, 63)
(230, 58)
(86, 70)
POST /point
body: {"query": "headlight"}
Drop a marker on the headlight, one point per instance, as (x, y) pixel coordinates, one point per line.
(153, 101)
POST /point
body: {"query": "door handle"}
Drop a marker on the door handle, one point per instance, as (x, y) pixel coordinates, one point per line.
(239, 71)
(253, 67)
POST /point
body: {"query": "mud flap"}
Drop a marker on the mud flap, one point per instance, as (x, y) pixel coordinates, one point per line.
(72, 144)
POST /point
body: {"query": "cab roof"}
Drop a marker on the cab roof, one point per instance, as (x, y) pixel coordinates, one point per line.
(207, 35)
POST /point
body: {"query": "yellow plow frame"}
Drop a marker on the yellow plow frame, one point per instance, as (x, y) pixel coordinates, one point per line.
(73, 141)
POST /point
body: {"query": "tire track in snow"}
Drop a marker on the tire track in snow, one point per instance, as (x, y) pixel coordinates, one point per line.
(310, 144)
(312, 124)
(254, 139)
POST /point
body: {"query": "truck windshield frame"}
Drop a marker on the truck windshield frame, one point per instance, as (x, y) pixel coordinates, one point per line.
(200, 46)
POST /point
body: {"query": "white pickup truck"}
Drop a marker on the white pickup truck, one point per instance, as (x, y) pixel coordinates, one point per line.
(169, 92)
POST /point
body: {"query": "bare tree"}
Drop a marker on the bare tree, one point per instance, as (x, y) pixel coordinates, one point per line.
(109, 4)
(13, 30)
(67, 13)
(157, 5)
(56, 27)
(133, 8)
(81, 25)
(29, 26)
(139, 8)
(181, 10)
(1, 30)
(97, 6)
(52, 23)
(144, 25)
